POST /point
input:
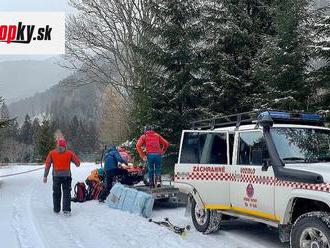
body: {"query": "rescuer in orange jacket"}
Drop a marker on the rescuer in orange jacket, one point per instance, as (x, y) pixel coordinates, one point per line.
(155, 146)
(61, 159)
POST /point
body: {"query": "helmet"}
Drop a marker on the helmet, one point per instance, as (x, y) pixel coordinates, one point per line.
(61, 143)
(147, 128)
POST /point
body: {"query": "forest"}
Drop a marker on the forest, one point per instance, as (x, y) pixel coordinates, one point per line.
(31, 141)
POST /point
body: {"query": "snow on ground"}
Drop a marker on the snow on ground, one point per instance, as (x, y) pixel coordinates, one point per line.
(27, 221)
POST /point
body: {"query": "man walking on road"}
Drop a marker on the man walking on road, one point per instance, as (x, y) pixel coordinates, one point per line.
(155, 146)
(61, 159)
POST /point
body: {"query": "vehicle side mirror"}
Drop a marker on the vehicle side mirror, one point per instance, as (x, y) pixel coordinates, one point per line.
(265, 164)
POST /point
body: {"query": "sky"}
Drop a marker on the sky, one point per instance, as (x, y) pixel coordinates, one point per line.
(32, 6)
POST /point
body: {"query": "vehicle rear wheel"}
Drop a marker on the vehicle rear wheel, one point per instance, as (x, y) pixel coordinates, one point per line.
(205, 220)
(311, 230)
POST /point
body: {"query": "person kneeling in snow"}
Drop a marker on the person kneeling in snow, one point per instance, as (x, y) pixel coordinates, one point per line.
(111, 160)
(61, 158)
(95, 183)
(96, 175)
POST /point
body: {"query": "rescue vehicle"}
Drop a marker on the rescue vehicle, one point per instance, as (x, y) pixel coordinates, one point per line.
(271, 167)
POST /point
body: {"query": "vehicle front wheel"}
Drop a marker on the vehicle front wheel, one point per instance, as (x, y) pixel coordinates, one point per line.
(205, 220)
(311, 230)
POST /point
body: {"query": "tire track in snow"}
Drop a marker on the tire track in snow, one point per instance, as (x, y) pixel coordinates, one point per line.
(23, 221)
(55, 229)
(96, 225)
(74, 238)
(232, 234)
(131, 230)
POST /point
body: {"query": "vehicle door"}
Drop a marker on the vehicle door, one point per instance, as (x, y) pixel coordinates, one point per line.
(252, 186)
(203, 163)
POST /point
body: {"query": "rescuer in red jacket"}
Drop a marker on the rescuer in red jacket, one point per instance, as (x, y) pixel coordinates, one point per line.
(155, 146)
(61, 159)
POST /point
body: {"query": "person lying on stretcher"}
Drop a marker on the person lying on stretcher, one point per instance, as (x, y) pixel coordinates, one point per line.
(127, 156)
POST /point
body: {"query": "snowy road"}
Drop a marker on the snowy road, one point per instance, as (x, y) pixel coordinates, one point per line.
(27, 220)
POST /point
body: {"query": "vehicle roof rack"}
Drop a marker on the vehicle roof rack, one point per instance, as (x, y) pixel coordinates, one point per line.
(252, 117)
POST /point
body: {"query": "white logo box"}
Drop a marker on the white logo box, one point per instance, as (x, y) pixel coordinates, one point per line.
(46, 25)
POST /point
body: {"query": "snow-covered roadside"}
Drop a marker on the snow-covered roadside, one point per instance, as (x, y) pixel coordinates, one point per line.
(10, 188)
(27, 220)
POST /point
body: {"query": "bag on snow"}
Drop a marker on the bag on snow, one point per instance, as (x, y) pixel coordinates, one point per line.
(115, 195)
(130, 196)
(94, 191)
(131, 200)
(143, 204)
(80, 192)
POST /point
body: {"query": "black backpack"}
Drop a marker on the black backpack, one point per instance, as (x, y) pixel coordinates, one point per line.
(80, 192)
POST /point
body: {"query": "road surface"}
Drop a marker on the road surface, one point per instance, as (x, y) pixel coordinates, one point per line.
(27, 220)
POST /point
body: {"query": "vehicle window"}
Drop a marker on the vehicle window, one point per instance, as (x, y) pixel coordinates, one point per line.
(215, 149)
(252, 148)
(192, 147)
(302, 145)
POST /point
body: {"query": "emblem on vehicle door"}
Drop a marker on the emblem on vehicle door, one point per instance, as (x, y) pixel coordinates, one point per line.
(250, 190)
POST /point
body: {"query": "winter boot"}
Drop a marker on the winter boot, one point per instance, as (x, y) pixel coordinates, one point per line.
(67, 213)
(158, 181)
(152, 182)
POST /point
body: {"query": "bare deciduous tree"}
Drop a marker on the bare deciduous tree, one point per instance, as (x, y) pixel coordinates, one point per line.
(114, 119)
(101, 41)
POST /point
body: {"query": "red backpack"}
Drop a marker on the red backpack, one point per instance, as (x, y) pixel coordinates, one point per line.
(96, 190)
(80, 192)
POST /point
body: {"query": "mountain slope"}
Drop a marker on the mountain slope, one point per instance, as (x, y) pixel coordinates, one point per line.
(61, 102)
(24, 78)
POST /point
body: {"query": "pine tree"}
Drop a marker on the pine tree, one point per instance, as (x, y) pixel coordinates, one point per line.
(236, 33)
(13, 130)
(294, 81)
(74, 133)
(35, 130)
(4, 112)
(291, 58)
(320, 76)
(35, 134)
(5, 123)
(45, 141)
(26, 134)
(173, 91)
